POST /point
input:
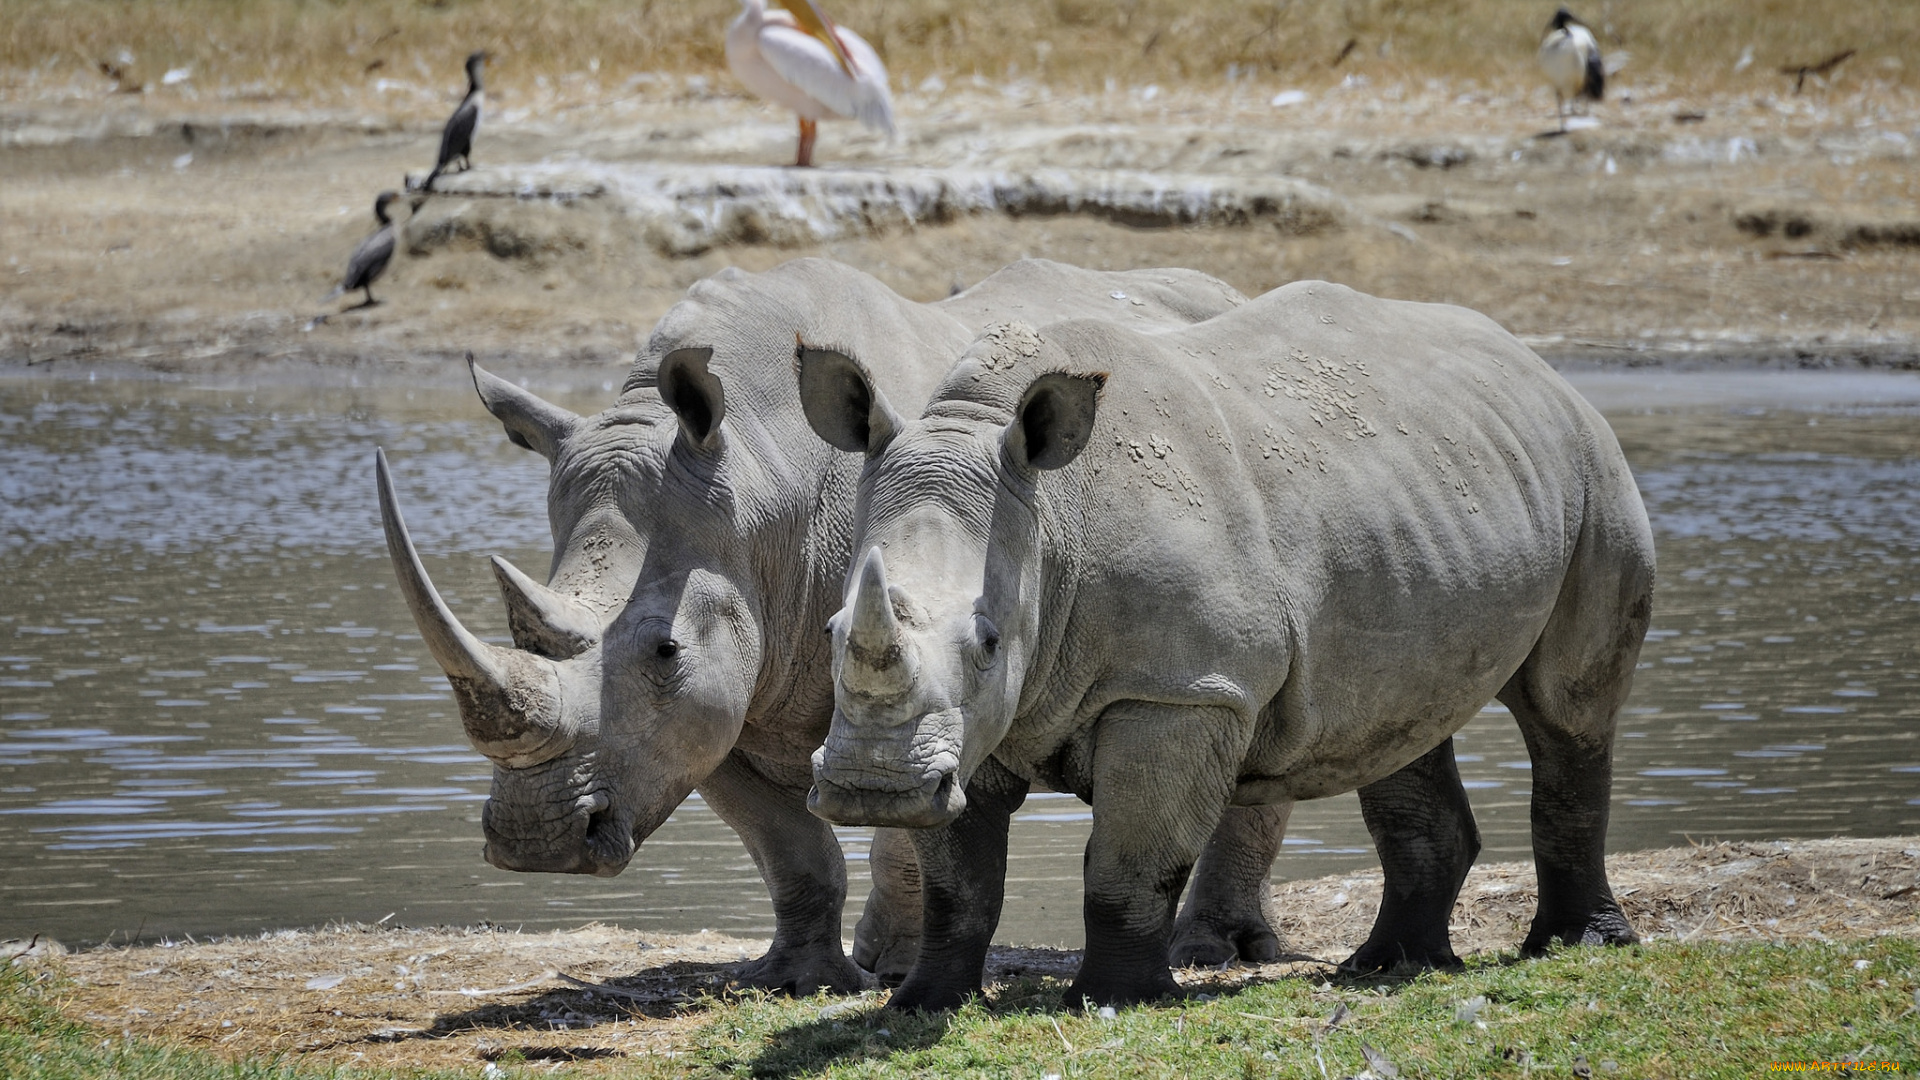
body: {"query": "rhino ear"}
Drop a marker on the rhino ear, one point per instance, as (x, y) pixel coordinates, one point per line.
(693, 393)
(1054, 420)
(841, 403)
(538, 425)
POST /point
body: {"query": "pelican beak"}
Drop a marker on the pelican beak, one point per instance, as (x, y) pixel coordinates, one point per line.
(815, 22)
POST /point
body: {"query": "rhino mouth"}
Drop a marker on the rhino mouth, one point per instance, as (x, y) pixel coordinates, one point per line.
(592, 838)
(937, 801)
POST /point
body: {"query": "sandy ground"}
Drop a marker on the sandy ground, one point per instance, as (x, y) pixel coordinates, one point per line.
(195, 235)
(596, 995)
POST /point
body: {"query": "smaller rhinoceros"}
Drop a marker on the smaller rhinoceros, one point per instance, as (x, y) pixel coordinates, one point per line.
(1278, 555)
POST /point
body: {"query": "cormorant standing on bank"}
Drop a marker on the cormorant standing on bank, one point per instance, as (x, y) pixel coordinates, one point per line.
(457, 140)
(370, 259)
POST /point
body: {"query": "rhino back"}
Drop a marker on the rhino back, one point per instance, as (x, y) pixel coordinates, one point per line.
(1040, 291)
(1349, 516)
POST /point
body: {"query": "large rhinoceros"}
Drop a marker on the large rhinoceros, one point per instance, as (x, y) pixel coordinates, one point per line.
(701, 536)
(1279, 555)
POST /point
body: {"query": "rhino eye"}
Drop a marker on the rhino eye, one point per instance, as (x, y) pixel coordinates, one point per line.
(667, 649)
(986, 635)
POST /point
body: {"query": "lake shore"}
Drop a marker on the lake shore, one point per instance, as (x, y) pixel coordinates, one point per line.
(1713, 229)
(597, 996)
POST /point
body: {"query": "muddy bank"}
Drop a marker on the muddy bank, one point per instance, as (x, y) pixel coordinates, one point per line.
(596, 995)
(1775, 228)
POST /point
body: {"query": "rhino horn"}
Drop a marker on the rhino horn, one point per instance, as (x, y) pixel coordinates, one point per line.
(543, 621)
(878, 663)
(509, 700)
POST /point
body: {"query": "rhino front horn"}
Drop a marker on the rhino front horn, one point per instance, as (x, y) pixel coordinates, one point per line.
(878, 664)
(509, 700)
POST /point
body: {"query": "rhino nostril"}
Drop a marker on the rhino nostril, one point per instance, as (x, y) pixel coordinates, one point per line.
(591, 804)
(609, 841)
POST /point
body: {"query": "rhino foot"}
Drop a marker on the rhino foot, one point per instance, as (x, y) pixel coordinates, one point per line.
(1605, 925)
(803, 973)
(1396, 958)
(1212, 942)
(926, 995)
(1117, 990)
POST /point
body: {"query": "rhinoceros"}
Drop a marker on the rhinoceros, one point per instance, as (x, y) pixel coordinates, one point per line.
(701, 535)
(1278, 555)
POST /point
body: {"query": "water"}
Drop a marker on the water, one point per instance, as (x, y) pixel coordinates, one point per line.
(215, 716)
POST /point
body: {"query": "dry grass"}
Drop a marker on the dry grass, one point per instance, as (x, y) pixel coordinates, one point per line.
(331, 53)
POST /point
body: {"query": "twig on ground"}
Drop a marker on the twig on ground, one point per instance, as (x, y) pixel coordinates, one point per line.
(515, 988)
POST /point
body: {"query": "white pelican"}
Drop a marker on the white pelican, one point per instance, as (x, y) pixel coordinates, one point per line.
(1571, 58)
(370, 259)
(800, 59)
(457, 140)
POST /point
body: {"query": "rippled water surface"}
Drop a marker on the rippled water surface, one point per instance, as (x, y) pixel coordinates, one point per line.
(215, 715)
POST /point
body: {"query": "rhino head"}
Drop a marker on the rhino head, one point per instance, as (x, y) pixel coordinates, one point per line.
(631, 669)
(941, 624)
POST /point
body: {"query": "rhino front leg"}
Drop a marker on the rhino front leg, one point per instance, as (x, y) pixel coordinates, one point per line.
(1427, 840)
(1161, 778)
(1229, 911)
(963, 879)
(887, 938)
(806, 875)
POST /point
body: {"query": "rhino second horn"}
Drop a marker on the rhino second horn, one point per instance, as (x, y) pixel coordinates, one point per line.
(543, 621)
(879, 664)
(509, 700)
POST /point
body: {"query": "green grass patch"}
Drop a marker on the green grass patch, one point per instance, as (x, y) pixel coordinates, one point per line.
(1667, 1009)
(1695, 1010)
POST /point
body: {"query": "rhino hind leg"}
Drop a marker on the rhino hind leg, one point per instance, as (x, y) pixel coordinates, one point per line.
(1565, 698)
(887, 939)
(1572, 784)
(1229, 912)
(800, 861)
(1424, 831)
(963, 876)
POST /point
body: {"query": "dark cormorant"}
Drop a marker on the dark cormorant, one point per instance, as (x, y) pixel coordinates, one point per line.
(457, 140)
(370, 259)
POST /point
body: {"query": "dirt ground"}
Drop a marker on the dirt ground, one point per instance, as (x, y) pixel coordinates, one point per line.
(1779, 227)
(596, 995)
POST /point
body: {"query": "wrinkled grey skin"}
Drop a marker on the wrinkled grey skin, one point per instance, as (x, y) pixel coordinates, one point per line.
(1279, 555)
(701, 535)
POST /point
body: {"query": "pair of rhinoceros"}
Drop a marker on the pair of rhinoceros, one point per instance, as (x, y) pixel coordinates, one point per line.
(1189, 556)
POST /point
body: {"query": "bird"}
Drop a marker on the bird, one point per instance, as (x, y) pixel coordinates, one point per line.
(1571, 59)
(370, 259)
(456, 140)
(798, 58)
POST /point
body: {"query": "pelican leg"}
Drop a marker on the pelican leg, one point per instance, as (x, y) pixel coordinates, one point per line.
(808, 129)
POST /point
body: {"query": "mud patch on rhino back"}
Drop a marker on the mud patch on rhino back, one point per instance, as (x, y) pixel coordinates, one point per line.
(1330, 390)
